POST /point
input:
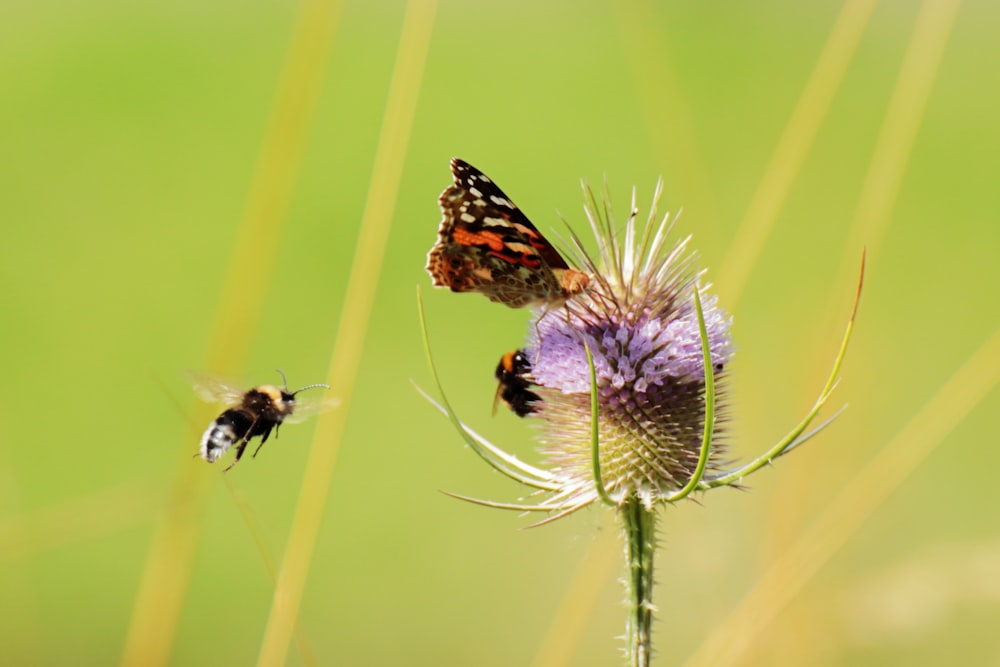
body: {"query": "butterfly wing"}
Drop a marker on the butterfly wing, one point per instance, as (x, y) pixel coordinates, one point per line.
(495, 212)
(486, 244)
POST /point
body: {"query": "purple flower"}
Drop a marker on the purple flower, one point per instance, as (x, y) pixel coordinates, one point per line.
(639, 321)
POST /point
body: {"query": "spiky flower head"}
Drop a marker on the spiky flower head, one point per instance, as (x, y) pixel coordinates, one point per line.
(639, 321)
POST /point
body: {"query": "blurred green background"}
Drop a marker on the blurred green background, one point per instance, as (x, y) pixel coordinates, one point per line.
(131, 137)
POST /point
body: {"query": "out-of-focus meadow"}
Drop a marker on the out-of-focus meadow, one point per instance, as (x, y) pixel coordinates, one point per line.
(184, 186)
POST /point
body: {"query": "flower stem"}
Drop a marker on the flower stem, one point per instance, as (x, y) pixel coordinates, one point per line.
(640, 539)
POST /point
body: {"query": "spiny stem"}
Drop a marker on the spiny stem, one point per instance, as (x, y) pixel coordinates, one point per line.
(639, 525)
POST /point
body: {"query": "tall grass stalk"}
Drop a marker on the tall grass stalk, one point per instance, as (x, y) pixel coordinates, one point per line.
(394, 137)
(796, 140)
(167, 571)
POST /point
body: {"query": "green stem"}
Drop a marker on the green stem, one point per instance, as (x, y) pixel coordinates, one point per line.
(640, 540)
(595, 440)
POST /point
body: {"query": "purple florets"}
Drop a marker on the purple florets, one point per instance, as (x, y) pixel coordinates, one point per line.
(657, 348)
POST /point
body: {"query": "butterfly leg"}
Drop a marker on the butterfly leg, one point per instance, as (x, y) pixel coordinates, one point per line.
(538, 333)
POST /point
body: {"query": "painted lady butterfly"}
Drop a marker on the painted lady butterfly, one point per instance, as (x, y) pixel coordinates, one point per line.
(486, 244)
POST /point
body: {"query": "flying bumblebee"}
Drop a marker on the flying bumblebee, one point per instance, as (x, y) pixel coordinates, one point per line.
(255, 412)
(512, 374)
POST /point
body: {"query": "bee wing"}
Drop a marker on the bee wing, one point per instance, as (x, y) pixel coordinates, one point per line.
(496, 397)
(309, 406)
(213, 390)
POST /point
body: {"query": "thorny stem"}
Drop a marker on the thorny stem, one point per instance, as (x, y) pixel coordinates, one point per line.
(640, 539)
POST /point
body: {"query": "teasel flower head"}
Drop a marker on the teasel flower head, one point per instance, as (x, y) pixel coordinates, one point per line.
(640, 324)
(628, 413)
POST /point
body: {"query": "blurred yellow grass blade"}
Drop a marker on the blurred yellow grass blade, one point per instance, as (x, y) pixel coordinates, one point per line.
(270, 565)
(669, 120)
(401, 104)
(167, 571)
(107, 511)
(793, 146)
(898, 133)
(790, 572)
(879, 191)
(562, 639)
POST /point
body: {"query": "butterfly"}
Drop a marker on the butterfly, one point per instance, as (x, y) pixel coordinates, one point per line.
(486, 244)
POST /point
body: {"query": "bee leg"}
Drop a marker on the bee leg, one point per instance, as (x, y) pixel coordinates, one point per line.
(239, 452)
(243, 444)
(263, 439)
